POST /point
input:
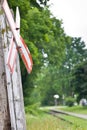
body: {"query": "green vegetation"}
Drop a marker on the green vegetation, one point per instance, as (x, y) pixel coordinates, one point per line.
(59, 61)
(78, 123)
(70, 101)
(75, 109)
(59, 67)
(43, 121)
(80, 80)
(33, 109)
(47, 122)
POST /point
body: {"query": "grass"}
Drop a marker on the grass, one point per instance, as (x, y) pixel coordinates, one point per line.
(75, 109)
(47, 122)
(79, 124)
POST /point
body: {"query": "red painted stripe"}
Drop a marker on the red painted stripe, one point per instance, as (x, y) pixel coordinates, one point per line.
(29, 67)
(25, 61)
(11, 66)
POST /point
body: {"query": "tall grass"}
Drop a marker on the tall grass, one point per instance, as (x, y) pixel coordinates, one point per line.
(47, 122)
(78, 122)
(41, 121)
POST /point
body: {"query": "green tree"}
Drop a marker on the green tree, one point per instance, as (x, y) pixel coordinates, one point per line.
(48, 37)
(75, 54)
(55, 79)
(44, 36)
(80, 80)
(59, 79)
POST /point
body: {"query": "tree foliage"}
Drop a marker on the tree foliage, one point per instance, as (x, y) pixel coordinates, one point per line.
(75, 55)
(61, 80)
(44, 36)
(54, 54)
(80, 80)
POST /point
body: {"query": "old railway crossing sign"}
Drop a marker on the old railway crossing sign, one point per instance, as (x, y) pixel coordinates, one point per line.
(18, 44)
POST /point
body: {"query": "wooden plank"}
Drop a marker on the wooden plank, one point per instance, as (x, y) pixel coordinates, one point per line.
(8, 75)
(4, 111)
(17, 88)
(20, 122)
(14, 85)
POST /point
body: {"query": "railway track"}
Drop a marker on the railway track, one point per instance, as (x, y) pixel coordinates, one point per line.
(58, 115)
(82, 116)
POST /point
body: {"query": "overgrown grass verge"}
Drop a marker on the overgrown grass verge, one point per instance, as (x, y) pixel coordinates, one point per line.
(47, 122)
(80, 124)
(36, 119)
(44, 121)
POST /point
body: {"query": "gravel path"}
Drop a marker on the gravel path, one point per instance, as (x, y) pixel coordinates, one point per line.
(83, 116)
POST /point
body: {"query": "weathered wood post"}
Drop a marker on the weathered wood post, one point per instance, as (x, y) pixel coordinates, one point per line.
(12, 116)
(17, 88)
(4, 107)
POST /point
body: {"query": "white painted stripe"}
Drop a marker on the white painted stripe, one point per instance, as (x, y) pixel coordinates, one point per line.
(12, 54)
(25, 54)
(11, 21)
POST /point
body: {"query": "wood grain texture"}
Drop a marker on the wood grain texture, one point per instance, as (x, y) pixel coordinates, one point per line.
(12, 114)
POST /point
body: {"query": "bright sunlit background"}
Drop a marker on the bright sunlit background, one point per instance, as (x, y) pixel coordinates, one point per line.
(74, 16)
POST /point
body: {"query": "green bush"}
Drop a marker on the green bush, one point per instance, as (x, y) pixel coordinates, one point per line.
(33, 109)
(70, 101)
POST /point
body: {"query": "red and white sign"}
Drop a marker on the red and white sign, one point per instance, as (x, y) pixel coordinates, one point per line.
(26, 56)
(19, 43)
(12, 54)
(11, 21)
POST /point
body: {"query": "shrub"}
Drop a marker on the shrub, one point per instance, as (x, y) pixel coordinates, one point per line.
(33, 109)
(70, 101)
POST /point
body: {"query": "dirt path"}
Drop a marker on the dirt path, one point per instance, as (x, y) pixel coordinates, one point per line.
(83, 116)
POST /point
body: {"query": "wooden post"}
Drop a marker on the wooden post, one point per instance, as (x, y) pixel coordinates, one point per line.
(12, 84)
(17, 88)
(4, 108)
